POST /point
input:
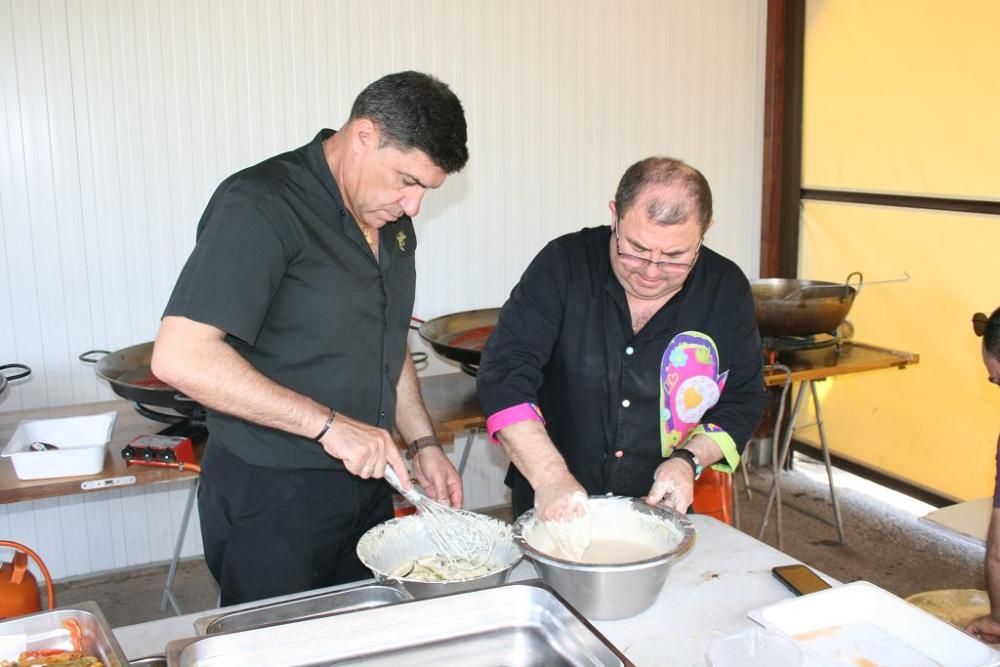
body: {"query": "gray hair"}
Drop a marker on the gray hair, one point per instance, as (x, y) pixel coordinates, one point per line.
(695, 195)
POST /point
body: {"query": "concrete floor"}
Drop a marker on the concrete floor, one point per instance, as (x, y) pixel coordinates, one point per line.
(887, 546)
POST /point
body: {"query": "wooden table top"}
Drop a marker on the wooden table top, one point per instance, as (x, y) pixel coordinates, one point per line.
(450, 400)
(128, 424)
(829, 362)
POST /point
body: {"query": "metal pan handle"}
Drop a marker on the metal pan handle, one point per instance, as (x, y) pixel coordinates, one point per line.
(847, 282)
(86, 356)
(25, 371)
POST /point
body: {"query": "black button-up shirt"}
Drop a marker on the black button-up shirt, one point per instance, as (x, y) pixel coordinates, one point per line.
(564, 340)
(281, 266)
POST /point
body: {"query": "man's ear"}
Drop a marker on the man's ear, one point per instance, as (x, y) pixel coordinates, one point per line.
(614, 212)
(366, 133)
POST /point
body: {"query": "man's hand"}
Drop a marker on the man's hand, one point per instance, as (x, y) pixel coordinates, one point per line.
(438, 476)
(985, 629)
(365, 450)
(673, 486)
(559, 500)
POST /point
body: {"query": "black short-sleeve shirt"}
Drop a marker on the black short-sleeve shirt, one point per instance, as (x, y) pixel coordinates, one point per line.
(281, 266)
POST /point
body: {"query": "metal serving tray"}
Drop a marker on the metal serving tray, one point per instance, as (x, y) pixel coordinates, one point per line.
(516, 625)
(46, 630)
(313, 606)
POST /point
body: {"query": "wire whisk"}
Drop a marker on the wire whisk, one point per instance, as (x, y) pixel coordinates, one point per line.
(465, 539)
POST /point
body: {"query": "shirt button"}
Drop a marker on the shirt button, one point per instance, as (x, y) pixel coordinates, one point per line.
(619, 454)
(626, 403)
(629, 350)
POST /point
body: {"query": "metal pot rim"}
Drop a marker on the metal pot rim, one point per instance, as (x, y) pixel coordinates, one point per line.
(680, 521)
(385, 576)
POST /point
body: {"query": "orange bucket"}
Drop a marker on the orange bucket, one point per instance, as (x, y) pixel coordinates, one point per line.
(713, 495)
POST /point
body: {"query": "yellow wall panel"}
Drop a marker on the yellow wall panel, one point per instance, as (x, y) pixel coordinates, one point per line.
(935, 423)
(902, 96)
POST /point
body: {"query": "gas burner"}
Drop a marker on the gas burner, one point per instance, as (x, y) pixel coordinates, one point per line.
(796, 343)
(774, 348)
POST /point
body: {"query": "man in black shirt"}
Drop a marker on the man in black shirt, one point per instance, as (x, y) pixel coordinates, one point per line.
(627, 359)
(289, 324)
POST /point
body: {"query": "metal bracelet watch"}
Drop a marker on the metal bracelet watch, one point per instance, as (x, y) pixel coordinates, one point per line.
(414, 447)
(691, 458)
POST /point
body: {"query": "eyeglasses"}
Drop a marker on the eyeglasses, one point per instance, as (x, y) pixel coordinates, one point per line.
(642, 262)
(979, 323)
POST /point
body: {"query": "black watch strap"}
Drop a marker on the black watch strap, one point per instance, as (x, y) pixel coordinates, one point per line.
(690, 458)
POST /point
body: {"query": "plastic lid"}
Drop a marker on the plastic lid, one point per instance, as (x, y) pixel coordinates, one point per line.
(754, 647)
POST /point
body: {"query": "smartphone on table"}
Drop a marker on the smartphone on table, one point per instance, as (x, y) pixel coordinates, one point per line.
(799, 579)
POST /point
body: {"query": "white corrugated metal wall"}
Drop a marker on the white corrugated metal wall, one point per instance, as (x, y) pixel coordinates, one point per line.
(120, 117)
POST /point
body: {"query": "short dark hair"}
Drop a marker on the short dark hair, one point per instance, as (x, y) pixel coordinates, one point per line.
(667, 171)
(991, 335)
(415, 110)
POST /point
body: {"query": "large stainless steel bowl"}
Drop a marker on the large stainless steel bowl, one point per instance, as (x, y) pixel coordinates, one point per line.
(612, 591)
(396, 541)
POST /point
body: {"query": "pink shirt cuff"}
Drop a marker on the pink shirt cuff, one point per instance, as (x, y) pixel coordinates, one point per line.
(516, 413)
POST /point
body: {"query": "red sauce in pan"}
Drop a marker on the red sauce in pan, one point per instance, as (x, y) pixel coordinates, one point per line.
(472, 339)
(150, 381)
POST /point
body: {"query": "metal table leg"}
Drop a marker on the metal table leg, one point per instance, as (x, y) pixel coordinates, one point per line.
(826, 461)
(746, 475)
(468, 448)
(168, 594)
(778, 461)
(775, 433)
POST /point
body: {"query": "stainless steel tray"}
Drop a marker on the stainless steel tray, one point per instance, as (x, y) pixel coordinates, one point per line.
(522, 624)
(46, 630)
(313, 606)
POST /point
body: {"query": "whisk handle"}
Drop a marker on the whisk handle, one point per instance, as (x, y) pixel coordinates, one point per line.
(393, 479)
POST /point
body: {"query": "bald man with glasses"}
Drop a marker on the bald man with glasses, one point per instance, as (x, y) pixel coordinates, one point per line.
(627, 359)
(987, 628)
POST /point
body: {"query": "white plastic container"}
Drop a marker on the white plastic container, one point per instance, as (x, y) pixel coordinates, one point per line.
(862, 624)
(753, 647)
(80, 442)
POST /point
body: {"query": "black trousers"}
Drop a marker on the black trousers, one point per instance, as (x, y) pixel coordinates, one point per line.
(273, 532)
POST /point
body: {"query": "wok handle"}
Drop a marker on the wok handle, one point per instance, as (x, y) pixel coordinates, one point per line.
(25, 371)
(86, 356)
(847, 281)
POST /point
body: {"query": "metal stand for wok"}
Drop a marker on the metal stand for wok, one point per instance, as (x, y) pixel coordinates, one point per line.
(780, 457)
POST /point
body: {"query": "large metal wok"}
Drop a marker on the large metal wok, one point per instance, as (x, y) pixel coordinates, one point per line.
(129, 374)
(461, 336)
(19, 371)
(788, 307)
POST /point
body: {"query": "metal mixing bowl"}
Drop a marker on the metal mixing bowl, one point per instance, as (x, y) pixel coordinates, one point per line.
(605, 592)
(388, 544)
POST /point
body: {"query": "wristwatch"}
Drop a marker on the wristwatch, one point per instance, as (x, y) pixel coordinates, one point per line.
(414, 447)
(690, 457)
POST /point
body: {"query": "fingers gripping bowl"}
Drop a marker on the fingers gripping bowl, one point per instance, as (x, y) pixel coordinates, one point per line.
(625, 529)
(398, 541)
